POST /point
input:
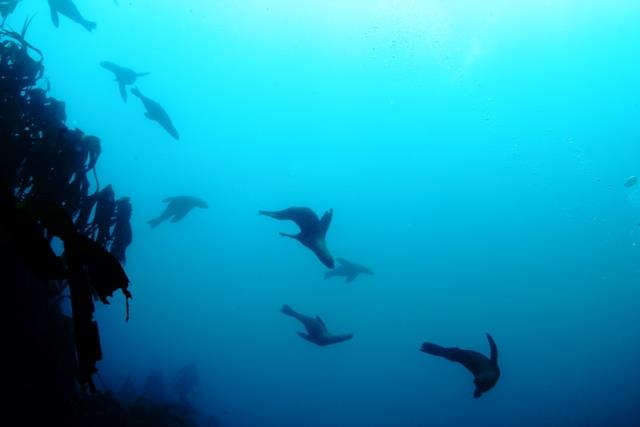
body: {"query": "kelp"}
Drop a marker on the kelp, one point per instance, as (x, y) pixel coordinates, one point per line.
(186, 383)
(102, 409)
(42, 159)
(49, 189)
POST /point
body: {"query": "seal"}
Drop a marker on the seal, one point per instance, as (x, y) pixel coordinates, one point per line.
(156, 113)
(124, 76)
(316, 329)
(348, 270)
(313, 231)
(68, 9)
(6, 8)
(484, 369)
(177, 208)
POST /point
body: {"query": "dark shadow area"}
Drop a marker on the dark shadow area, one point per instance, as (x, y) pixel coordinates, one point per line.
(63, 240)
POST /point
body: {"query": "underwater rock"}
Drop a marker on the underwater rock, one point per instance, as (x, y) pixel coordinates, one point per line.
(101, 409)
(127, 392)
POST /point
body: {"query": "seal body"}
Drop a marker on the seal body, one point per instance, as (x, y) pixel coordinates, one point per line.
(317, 332)
(313, 230)
(177, 208)
(348, 270)
(68, 9)
(485, 369)
(156, 113)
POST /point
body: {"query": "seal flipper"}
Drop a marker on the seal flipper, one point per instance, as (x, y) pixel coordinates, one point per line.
(472, 360)
(177, 217)
(275, 214)
(306, 337)
(88, 25)
(289, 311)
(303, 217)
(319, 320)
(325, 221)
(433, 349)
(293, 236)
(334, 339)
(55, 18)
(155, 222)
(494, 349)
(136, 92)
(123, 90)
(351, 278)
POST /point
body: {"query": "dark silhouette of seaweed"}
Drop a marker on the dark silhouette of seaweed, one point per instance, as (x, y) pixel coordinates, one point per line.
(49, 189)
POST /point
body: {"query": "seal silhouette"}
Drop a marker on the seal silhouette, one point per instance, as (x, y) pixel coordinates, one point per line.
(313, 231)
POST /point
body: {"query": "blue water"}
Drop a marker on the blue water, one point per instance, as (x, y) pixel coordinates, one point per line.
(474, 154)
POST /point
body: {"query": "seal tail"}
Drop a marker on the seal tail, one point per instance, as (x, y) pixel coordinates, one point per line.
(433, 349)
(89, 25)
(285, 214)
(123, 90)
(136, 92)
(288, 311)
(338, 338)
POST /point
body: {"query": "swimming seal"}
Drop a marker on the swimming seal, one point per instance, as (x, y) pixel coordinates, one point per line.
(316, 330)
(485, 369)
(313, 231)
(177, 208)
(348, 270)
